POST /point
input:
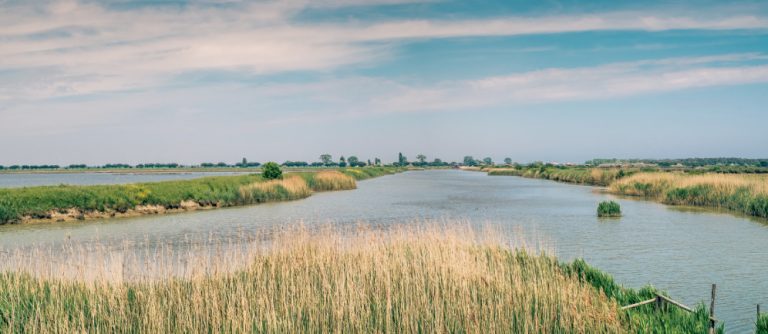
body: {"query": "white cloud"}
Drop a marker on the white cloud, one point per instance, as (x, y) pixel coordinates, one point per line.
(72, 48)
(566, 84)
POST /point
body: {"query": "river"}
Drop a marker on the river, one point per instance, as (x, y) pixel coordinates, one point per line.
(680, 251)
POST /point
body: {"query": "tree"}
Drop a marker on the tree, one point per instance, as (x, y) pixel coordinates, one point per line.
(488, 161)
(401, 160)
(353, 161)
(508, 161)
(244, 163)
(469, 161)
(377, 161)
(327, 159)
(437, 162)
(422, 158)
(271, 171)
(342, 162)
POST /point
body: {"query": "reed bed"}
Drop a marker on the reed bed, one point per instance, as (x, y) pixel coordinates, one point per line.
(408, 278)
(332, 181)
(744, 193)
(591, 176)
(289, 188)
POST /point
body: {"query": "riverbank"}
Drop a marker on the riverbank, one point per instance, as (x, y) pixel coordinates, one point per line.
(741, 193)
(359, 280)
(68, 203)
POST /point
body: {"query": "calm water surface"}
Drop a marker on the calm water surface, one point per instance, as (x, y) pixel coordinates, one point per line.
(16, 180)
(682, 252)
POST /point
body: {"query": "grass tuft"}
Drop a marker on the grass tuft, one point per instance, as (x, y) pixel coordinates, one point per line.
(608, 209)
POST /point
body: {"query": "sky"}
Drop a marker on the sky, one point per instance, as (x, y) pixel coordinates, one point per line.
(100, 82)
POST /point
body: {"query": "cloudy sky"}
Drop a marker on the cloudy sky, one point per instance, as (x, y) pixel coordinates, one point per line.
(176, 81)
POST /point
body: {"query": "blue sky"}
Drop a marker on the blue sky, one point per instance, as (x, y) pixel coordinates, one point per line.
(176, 81)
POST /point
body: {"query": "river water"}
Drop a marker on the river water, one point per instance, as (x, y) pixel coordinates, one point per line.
(680, 251)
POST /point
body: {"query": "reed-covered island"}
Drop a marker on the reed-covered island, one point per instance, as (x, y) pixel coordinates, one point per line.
(406, 279)
(70, 202)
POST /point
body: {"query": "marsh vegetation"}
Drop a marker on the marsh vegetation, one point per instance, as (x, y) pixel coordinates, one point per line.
(99, 201)
(743, 193)
(411, 278)
(608, 209)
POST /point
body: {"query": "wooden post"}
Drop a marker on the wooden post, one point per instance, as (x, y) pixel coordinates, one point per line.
(712, 311)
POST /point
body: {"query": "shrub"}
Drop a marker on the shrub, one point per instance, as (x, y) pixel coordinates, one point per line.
(608, 209)
(271, 171)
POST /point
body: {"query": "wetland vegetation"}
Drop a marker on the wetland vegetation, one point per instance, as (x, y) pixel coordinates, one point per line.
(737, 190)
(67, 202)
(410, 278)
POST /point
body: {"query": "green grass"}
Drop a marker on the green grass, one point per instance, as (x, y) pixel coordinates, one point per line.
(223, 191)
(761, 325)
(646, 318)
(608, 209)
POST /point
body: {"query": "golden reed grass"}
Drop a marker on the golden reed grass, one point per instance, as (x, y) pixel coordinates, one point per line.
(743, 193)
(333, 180)
(290, 187)
(402, 279)
(723, 183)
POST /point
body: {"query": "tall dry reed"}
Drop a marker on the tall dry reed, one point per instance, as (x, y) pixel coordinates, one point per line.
(406, 279)
(744, 193)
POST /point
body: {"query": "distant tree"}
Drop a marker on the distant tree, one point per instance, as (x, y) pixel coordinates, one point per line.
(342, 162)
(488, 161)
(508, 161)
(221, 164)
(317, 164)
(402, 160)
(271, 171)
(353, 161)
(437, 162)
(369, 162)
(327, 159)
(422, 158)
(244, 163)
(377, 161)
(469, 161)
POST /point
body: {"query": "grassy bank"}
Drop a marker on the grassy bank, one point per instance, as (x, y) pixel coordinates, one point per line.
(744, 193)
(403, 280)
(590, 176)
(740, 192)
(97, 201)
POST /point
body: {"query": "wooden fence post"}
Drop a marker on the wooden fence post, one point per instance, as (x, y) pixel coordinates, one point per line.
(712, 311)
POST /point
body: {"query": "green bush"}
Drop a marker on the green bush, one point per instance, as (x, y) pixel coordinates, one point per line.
(608, 209)
(271, 171)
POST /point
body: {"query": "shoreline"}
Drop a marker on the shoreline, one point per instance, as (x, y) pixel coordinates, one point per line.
(61, 204)
(717, 195)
